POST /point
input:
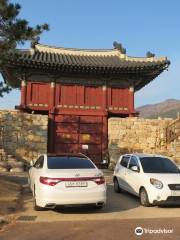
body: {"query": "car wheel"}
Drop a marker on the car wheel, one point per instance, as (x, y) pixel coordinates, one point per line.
(35, 206)
(117, 189)
(144, 200)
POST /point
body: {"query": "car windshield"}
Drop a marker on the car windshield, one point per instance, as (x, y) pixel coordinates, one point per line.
(158, 165)
(68, 162)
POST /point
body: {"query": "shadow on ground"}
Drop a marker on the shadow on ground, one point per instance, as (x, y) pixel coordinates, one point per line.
(116, 202)
(18, 178)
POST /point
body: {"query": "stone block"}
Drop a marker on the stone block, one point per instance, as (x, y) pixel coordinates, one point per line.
(3, 169)
(17, 170)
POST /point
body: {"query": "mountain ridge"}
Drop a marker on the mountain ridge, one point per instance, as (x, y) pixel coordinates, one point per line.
(168, 108)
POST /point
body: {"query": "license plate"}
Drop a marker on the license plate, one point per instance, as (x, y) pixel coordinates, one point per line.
(76, 184)
(175, 193)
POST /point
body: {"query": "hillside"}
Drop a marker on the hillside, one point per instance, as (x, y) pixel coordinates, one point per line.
(169, 108)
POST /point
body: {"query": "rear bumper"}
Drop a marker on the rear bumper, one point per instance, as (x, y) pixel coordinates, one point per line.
(75, 197)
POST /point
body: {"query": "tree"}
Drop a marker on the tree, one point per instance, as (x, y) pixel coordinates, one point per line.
(14, 31)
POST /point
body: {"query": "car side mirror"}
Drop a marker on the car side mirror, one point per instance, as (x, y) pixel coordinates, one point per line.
(134, 168)
(31, 163)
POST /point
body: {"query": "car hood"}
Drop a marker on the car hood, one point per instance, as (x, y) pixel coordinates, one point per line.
(168, 178)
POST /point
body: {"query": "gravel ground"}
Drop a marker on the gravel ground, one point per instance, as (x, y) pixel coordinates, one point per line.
(11, 192)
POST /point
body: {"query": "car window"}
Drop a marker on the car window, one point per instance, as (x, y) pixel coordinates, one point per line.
(124, 161)
(40, 162)
(133, 162)
(158, 165)
(68, 162)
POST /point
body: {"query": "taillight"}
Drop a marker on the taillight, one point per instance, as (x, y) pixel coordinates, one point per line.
(54, 181)
(49, 181)
(99, 180)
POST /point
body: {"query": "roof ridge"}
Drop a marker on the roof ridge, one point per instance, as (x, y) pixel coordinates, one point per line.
(94, 52)
(77, 49)
(155, 58)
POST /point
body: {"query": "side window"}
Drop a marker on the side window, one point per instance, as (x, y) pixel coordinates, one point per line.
(40, 162)
(133, 162)
(124, 161)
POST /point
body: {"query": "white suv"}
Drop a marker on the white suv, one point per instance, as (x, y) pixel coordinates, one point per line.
(155, 179)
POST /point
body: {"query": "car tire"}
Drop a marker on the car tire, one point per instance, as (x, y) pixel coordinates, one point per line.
(35, 206)
(144, 200)
(117, 189)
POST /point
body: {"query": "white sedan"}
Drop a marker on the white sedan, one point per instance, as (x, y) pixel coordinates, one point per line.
(155, 179)
(66, 180)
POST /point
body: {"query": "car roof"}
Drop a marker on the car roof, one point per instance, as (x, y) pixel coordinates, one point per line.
(66, 155)
(141, 155)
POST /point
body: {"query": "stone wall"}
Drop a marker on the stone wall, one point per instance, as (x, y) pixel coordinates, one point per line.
(24, 135)
(127, 135)
(173, 147)
(173, 150)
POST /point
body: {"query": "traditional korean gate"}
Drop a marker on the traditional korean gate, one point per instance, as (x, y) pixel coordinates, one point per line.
(80, 134)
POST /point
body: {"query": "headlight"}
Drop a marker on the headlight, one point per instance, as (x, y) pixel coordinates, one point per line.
(156, 183)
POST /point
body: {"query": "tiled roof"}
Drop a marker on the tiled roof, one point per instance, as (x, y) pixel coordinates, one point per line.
(110, 63)
(108, 60)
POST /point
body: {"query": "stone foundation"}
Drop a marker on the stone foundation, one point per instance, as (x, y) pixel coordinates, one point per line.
(127, 135)
(23, 135)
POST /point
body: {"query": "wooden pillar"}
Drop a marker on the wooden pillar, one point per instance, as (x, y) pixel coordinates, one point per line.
(23, 93)
(51, 132)
(131, 101)
(104, 137)
(51, 123)
(105, 125)
(104, 100)
(52, 96)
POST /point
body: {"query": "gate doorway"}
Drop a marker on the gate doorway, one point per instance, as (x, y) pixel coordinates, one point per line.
(79, 134)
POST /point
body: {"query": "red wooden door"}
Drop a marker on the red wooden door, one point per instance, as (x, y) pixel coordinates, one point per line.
(75, 134)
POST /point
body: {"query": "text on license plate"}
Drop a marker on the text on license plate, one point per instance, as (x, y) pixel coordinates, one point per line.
(175, 193)
(76, 184)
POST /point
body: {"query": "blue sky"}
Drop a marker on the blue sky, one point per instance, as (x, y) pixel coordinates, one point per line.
(140, 25)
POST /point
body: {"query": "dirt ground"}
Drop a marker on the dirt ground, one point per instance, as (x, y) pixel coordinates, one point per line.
(102, 230)
(10, 194)
(117, 220)
(11, 197)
